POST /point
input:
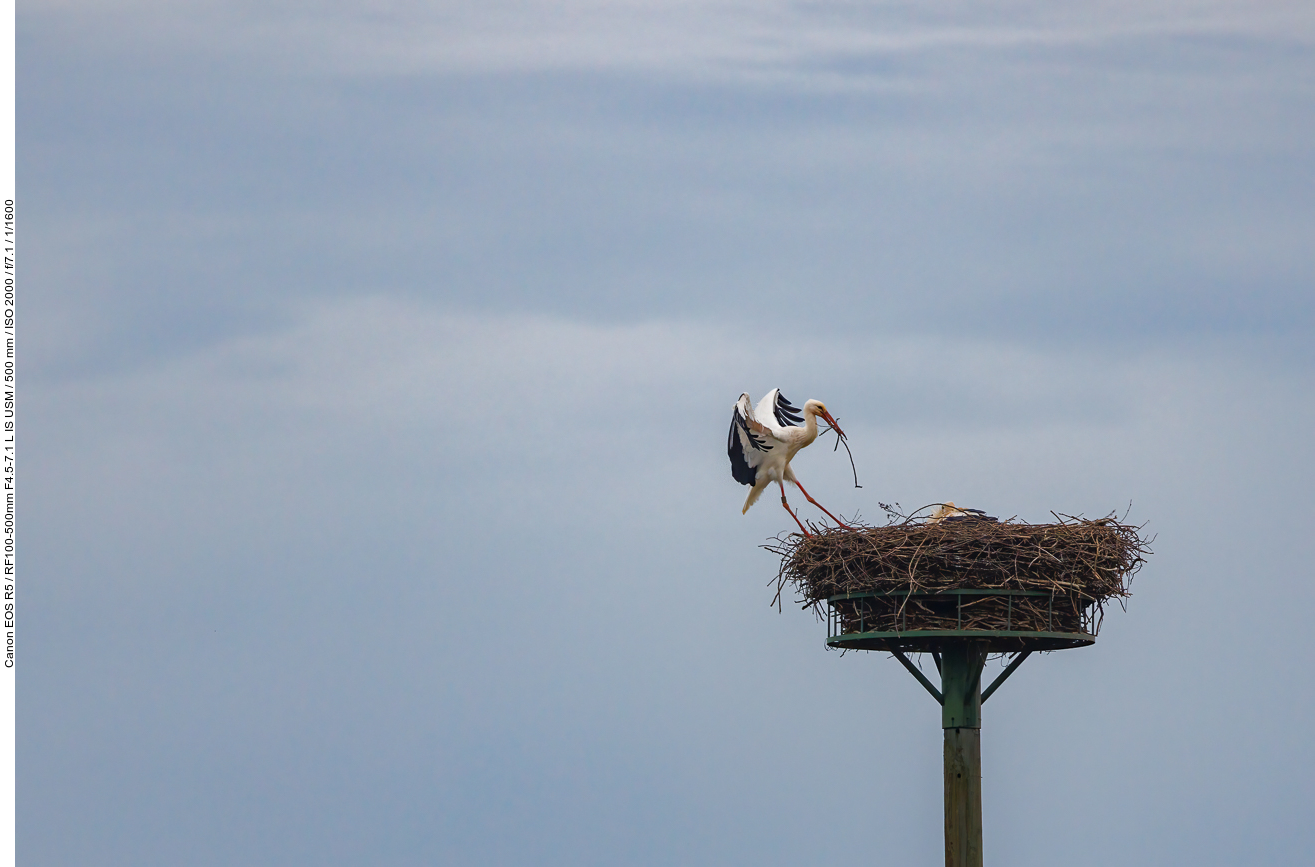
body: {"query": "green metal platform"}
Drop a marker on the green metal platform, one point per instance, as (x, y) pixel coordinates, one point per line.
(929, 640)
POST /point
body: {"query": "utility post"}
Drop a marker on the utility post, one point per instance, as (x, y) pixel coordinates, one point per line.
(961, 718)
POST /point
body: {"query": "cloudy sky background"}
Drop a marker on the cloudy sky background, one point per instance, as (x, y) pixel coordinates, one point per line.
(377, 360)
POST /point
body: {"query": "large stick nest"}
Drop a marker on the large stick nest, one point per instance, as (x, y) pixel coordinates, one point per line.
(1080, 564)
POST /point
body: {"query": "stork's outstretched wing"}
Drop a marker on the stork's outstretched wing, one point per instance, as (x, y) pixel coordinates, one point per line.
(748, 442)
(775, 406)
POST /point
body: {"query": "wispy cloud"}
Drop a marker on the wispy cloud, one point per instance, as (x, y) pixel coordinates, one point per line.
(808, 43)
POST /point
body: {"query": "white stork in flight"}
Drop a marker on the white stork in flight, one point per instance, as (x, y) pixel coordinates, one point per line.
(763, 440)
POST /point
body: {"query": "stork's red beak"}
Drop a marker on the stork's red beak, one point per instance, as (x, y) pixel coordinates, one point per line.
(831, 421)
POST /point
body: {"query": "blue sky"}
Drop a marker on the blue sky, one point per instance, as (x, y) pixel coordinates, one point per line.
(377, 366)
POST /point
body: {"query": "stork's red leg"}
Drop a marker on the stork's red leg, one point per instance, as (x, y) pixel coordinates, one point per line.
(816, 503)
(791, 511)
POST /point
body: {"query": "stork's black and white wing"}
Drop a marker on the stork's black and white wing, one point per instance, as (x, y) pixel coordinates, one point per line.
(971, 515)
(775, 407)
(748, 443)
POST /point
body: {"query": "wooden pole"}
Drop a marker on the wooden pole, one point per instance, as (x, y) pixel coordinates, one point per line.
(961, 718)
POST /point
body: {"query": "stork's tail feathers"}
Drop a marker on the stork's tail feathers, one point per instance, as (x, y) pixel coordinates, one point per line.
(754, 494)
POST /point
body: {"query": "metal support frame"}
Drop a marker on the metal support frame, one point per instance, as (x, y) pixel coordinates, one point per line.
(960, 655)
(1004, 675)
(960, 663)
(922, 678)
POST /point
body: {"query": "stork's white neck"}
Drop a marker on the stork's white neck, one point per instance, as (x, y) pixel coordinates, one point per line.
(810, 423)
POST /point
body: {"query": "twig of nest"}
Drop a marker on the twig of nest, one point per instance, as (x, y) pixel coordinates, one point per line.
(1076, 562)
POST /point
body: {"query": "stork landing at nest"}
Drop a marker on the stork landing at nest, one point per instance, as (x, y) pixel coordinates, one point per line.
(764, 439)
